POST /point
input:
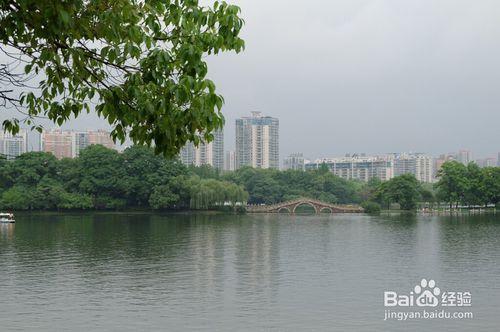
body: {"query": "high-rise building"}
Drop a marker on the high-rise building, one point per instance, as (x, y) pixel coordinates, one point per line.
(257, 141)
(498, 159)
(417, 164)
(464, 157)
(58, 142)
(12, 146)
(211, 153)
(69, 144)
(294, 161)
(187, 154)
(357, 167)
(230, 161)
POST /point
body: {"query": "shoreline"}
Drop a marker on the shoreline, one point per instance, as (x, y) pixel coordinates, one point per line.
(217, 212)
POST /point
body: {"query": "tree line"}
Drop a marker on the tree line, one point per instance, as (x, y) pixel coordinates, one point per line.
(458, 185)
(468, 185)
(101, 178)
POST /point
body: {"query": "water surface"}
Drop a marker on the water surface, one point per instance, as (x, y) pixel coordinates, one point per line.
(240, 273)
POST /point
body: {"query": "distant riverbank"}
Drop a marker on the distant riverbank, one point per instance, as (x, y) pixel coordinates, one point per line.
(464, 212)
(103, 179)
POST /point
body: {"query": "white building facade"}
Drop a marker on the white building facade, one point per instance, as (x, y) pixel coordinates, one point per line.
(418, 164)
(12, 146)
(257, 141)
(360, 168)
(211, 153)
(230, 161)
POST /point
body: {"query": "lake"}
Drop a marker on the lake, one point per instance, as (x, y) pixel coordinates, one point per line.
(143, 272)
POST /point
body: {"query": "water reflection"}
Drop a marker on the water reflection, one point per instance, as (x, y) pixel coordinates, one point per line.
(7, 231)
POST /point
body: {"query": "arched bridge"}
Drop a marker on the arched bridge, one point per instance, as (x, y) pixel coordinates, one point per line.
(291, 206)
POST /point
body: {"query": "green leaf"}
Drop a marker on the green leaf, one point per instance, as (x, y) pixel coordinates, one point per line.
(64, 16)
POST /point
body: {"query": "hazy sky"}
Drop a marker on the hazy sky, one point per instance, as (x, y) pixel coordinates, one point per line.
(366, 75)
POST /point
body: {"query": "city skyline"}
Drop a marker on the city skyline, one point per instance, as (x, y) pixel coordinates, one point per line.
(69, 143)
(257, 142)
(32, 143)
(339, 149)
(412, 76)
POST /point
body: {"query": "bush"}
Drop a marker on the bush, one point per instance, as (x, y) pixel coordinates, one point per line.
(17, 198)
(70, 201)
(371, 207)
(162, 197)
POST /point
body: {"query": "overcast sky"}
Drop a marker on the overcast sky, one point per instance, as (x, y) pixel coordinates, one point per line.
(366, 75)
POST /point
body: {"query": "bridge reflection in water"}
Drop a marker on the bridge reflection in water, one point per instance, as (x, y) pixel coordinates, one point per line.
(291, 206)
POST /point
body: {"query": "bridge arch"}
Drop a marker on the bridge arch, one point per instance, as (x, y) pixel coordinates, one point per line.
(285, 208)
(325, 208)
(305, 203)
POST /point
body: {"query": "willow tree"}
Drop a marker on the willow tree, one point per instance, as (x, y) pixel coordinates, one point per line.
(141, 62)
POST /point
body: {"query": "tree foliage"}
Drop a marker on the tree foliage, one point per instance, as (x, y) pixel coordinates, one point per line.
(162, 197)
(140, 61)
(101, 178)
(371, 207)
(468, 185)
(267, 186)
(452, 183)
(403, 190)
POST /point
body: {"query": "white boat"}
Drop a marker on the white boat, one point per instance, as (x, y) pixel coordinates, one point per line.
(7, 218)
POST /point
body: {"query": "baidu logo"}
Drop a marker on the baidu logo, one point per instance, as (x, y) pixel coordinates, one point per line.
(427, 294)
(427, 301)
